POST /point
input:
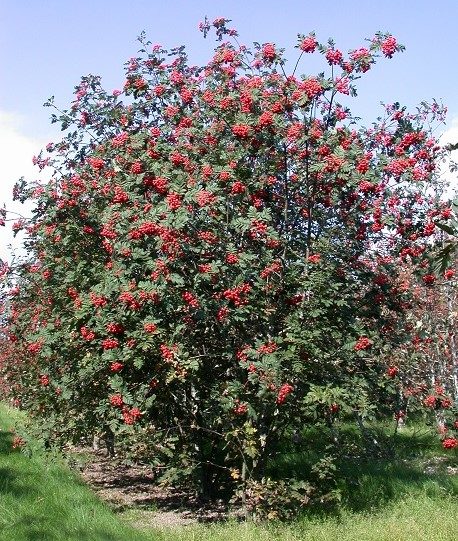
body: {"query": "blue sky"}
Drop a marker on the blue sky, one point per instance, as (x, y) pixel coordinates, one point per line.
(47, 45)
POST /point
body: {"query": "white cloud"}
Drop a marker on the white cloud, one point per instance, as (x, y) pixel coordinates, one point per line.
(451, 134)
(16, 153)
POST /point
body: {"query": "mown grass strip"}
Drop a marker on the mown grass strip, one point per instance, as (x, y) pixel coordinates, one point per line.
(42, 500)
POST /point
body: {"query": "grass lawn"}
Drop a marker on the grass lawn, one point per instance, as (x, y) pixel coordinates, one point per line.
(42, 500)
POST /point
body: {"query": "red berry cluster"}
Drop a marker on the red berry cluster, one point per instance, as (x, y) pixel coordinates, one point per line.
(283, 392)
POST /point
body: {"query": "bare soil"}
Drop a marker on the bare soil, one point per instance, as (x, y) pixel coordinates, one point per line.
(439, 465)
(127, 487)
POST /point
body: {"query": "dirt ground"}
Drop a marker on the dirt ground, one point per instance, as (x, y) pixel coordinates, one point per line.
(133, 488)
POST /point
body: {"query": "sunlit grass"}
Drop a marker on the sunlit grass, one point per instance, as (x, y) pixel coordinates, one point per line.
(392, 500)
(41, 500)
(411, 519)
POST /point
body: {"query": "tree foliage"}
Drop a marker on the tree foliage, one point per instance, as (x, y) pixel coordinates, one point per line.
(214, 263)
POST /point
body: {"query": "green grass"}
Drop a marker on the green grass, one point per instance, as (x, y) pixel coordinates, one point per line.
(42, 500)
(369, 483)
(411, 519)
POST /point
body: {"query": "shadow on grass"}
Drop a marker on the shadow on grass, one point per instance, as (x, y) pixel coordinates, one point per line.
(369, 480)
(40, 500)
(10, 484)
(5, 443)
(375, 484)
